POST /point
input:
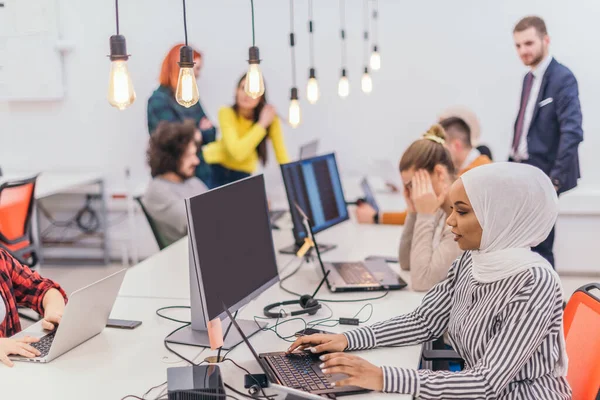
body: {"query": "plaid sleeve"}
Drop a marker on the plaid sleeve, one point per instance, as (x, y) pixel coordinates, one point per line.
(28, 286)
(160, 109)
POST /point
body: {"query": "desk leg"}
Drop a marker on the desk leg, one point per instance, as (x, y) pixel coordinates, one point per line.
(104, 212)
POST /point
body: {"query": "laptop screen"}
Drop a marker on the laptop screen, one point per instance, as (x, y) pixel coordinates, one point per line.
(254, 353)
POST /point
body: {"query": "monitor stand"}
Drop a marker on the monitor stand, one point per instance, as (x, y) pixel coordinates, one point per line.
(196, 334)
(293, 249)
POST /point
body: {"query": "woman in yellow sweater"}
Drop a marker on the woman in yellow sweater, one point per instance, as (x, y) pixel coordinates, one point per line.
(245, 129)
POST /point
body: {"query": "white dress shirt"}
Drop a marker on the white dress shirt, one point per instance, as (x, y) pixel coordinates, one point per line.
(538, 75)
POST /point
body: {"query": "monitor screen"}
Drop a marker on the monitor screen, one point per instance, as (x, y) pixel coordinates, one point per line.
(231, 238)
(314, 184)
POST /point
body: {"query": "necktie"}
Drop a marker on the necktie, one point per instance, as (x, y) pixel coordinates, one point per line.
(521, 118)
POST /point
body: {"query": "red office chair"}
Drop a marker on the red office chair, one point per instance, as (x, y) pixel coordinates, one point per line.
(582, 334)
(16, 207)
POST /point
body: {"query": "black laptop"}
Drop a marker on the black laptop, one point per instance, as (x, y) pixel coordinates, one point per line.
(297, 370)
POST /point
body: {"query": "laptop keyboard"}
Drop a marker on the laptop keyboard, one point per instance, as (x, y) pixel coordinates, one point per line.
(296, 371)
(44, 344)
(355, 273)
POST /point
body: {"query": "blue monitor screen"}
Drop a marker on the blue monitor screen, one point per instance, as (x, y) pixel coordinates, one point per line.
(314, 184)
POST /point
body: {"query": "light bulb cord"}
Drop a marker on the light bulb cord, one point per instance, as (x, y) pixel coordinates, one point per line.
(343, 31)
(185, 23)
(117, 14)
(292, 43)
(366, 33)
(253, 37)
(375, 21)
(310, 34)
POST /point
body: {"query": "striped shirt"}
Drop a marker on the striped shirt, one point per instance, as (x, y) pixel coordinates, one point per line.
(506, 331)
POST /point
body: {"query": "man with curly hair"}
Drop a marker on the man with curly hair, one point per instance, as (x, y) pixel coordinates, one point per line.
(172, 156)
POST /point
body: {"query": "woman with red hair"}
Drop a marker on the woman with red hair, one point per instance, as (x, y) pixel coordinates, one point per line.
(162, 106)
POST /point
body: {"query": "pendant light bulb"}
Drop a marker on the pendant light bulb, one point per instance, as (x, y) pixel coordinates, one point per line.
(120, 87)
(255, 85)
(294, 114)
(375, 61)
(343, 85)
(366, 83)
(312, 88)
(187, 89)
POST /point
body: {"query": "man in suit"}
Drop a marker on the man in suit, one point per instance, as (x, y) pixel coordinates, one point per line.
(548, 127)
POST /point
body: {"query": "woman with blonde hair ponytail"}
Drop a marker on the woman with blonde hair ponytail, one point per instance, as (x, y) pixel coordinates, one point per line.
(427, 246)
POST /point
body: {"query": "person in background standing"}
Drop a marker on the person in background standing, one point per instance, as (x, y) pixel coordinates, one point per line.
(162, 106)
(246, 127)
(548, 128)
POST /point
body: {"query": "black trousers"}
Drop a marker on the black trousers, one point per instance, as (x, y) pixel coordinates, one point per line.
(545, 248)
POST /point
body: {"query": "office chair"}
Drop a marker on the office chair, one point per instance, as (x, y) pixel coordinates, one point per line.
(16, 207)
(157, 235)
(582, 335)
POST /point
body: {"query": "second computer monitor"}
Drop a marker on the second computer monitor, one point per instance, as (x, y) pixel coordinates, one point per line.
(314, 184)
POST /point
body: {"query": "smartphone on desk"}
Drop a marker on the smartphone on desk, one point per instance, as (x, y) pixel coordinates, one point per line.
(122, 324)
(384, 258)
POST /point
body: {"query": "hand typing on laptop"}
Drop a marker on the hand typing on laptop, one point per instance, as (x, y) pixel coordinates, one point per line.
(19, 347)
(324, 343)
(54, 306)
(359, 372)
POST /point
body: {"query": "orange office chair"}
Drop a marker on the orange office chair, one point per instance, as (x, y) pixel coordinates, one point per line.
(16, 207)
(582, 335)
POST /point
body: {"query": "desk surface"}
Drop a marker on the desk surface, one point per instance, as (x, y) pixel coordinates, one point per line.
(51, 183)
(121, 362)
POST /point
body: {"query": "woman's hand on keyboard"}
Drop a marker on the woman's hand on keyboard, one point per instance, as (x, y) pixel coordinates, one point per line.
(360, 372)
(18, 347)
(320, 343)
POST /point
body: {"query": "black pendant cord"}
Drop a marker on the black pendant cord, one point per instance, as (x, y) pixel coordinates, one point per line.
(117, 14)
(311, 44)
(185, 23)
(292, 43)
(343, 31)
(374, 34)
(366, 33)
(252, 7)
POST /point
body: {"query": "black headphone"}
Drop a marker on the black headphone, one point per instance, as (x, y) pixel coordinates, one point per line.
(309, 306)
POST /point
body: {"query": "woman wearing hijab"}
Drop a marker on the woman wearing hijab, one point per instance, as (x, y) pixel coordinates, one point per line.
(501, 303)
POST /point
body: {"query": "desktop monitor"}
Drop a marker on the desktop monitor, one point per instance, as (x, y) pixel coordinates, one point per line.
(314, 184)
(232, 259)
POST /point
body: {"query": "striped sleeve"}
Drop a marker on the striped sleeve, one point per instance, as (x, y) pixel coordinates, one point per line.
(528, 319)
(429, 321)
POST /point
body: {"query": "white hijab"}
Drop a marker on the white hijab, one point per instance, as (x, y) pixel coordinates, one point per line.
(516, 206)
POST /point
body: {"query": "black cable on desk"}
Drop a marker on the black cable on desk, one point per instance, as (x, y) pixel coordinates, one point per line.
(169, 318)
(173, 351)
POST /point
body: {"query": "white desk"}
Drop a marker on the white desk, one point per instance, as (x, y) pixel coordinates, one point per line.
(51, 183)
(121, 362)
(166, 274)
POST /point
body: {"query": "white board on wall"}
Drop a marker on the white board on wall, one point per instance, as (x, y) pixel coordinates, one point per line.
(30, 62)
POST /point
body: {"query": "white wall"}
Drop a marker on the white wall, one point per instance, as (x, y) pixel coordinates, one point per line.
(435, 53)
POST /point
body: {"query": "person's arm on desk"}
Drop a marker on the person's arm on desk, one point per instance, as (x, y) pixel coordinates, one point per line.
(26, 288)
(428, 322)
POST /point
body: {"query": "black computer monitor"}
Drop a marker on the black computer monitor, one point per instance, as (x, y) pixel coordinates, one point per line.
(232, 259)
(314, 184)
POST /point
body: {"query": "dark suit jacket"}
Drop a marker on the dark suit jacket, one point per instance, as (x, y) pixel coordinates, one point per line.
(555, 131)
